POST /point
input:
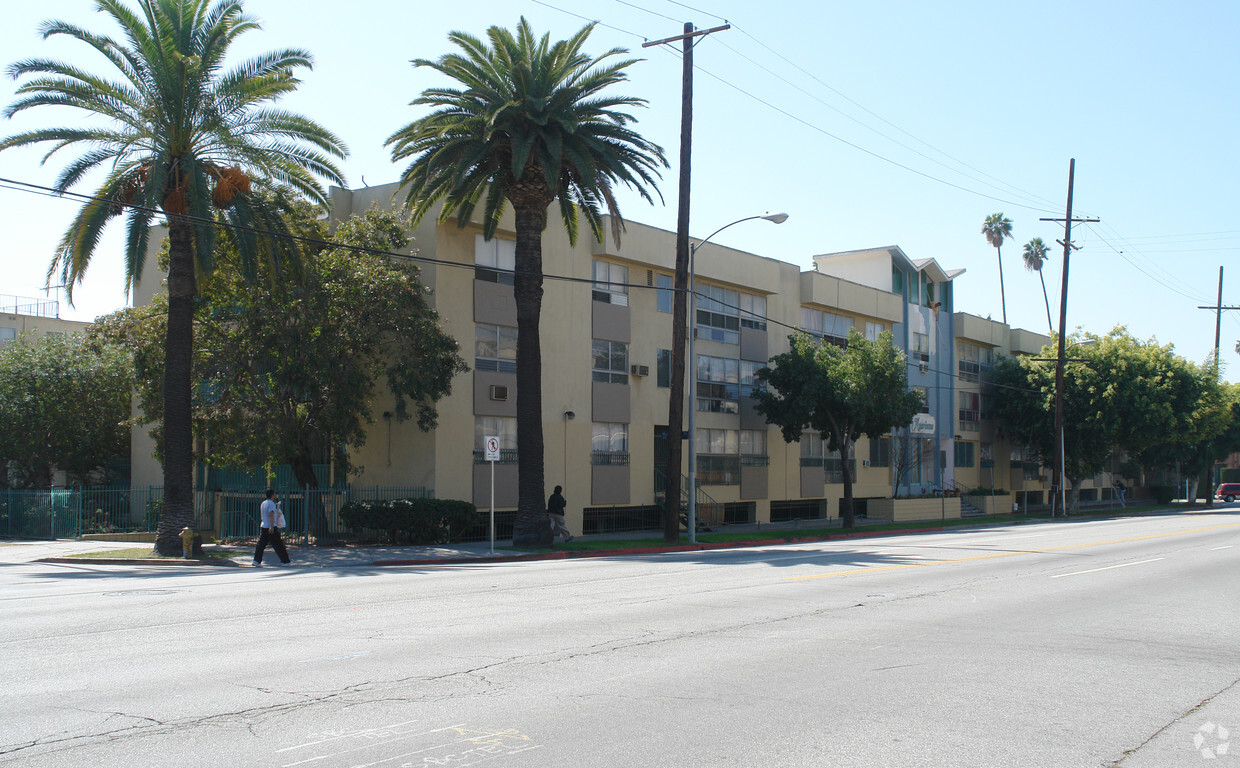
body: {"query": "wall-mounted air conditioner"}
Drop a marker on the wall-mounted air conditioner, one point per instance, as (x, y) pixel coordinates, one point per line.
(639, 370)
(499, 392)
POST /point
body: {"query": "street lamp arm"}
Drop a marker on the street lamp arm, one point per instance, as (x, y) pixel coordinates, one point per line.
(778, 218)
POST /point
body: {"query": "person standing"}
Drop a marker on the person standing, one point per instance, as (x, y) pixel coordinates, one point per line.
(271, 517)
(1119, 491)
(555, 511)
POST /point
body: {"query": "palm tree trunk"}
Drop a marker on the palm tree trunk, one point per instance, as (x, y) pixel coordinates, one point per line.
(1049, 326)
(178, 504)
(1002, 294)
(531, 528)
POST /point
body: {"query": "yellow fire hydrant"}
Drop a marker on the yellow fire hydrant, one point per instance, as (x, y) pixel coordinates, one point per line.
(187, 542)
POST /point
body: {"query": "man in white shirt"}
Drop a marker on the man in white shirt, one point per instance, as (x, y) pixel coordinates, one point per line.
(272, 517)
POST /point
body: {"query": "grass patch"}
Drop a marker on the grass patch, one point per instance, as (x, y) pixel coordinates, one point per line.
(149, 553)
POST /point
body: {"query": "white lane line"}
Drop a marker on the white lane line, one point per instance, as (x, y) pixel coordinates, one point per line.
(1215, 549)
(1109, 567)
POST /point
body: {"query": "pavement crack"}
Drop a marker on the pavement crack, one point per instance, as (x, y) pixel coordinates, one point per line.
(1186, 714)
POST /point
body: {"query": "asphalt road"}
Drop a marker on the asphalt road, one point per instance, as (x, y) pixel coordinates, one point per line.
(1085, 643)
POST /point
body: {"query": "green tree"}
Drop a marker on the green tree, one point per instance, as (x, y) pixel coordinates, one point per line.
(840, 393)
(529, 125)
(1034, 256)
(176, 132)
(1120, 394)
(285, 374)
(997, 228)
(64, 404)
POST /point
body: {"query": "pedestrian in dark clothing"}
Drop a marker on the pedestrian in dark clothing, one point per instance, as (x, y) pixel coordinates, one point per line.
(271, 518)
(555, 511)
(1119, 491)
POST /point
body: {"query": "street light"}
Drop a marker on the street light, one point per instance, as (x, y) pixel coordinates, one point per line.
(776, 218)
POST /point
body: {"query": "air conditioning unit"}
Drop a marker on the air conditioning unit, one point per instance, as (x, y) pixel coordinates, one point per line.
(639, 370)
(499, 392)
(923, 368)
(865, 462)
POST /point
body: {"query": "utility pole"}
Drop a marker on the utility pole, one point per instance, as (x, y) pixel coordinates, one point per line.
(1219, 309)
(1063, 326)
(680, 301)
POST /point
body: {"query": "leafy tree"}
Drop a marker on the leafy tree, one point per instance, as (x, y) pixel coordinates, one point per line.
(1217, 436)
(1120, 394)
(285, 373)
(64, 404)
(178, 133)
(841, 393)
(1034, 256)
(997, 228)
(529, 126)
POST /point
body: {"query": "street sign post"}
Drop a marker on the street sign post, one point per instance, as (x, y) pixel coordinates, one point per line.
(491, 451)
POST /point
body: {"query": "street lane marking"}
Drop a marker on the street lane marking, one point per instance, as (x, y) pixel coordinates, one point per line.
(1008, 554)
(1107, 568)
(1215, 549)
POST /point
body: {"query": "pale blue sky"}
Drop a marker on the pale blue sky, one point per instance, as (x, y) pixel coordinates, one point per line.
(872, 124)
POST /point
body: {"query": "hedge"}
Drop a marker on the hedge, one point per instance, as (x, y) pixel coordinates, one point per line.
(423, 521)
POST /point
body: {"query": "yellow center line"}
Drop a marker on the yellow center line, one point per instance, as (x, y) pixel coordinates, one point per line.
(1061, 548)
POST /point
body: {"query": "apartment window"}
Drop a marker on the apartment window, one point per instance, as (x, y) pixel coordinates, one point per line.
(664, 295)
(897, 282)
(813, 448)
(718, 314)
(921, 347)
(749, 378)
(753, 446)
(834, 467)
(925, 398)
(928, 294)
(970, 411)
(718, 384)
(495, 348)
(503, 427)
(609, 443)
(718, 460)
(753, 311)
(973, 360)
(611, 283)
(880, 451)
(611, 362)
(872, 330)
(494, 259)
(663, 368)
(828, 325)
(964, 453)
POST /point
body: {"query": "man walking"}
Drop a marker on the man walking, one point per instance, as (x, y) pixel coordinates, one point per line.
(271, 517)
(555, 511)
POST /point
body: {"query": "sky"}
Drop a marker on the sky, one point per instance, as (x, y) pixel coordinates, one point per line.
(872, 124)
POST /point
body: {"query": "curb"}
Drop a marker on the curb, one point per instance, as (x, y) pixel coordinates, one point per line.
(222, 562)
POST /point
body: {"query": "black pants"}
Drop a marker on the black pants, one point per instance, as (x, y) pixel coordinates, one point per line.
(270, 536)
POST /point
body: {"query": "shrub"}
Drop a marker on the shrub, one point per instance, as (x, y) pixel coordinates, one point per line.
(423, 521)
(980, 491)
(1163, 494)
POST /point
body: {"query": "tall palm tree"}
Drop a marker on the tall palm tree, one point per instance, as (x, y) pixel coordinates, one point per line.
(172, 130)
(996, 228)
(1034, 256)
(528, 125)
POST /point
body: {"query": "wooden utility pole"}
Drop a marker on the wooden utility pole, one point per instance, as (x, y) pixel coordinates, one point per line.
(1058, 470)
(680, 302)
(1219, 309)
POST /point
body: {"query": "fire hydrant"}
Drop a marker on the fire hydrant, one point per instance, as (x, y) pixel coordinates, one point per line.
(187, 542)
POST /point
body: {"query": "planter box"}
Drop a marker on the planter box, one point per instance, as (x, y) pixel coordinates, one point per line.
(910, 510)
(992, 505)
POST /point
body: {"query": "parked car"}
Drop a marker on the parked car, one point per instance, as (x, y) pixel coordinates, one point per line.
(1228, 492)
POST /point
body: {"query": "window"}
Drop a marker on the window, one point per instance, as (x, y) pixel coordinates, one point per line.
(897, 281)
(873, 329)
(964, 453)
(664, 295)
(880, 451)
(834, 467)
(749, 378)
(495, 259)
(973, 360)
(921, 347)
(753, 443)
(495, 348)
(753, 311)
(611, 283)
(718, 385)
(718, 460)
(830, 326)
(718, 314)
(927, 296)
(609, 443)
(611, 362)
(663, 368)
(812, 449)
(925, 398)
(970, 411)
(503, 427)
(7, 335)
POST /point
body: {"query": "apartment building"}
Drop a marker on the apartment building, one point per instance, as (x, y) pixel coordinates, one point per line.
(20, 314)
(606, 341)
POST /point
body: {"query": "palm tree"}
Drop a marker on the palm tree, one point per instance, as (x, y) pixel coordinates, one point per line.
(1035, 256)
(174, 131)
(996, 228)
(529, 125)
